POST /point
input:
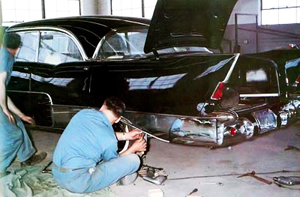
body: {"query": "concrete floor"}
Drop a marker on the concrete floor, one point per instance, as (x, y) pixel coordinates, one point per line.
(192, 167)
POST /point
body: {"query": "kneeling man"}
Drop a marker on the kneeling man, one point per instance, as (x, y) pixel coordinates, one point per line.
(86, 158)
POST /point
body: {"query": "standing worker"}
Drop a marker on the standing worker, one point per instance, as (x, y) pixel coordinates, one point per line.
(86, 158)
(14, 140)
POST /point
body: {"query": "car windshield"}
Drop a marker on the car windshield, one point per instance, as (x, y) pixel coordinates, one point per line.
(129, 44)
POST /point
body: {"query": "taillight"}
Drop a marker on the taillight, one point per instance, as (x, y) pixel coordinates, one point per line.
(232, 131)
(218, 93)
(298, 79)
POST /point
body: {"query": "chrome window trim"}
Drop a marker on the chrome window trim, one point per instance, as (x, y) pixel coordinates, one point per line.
(47, 28)
(103, 39)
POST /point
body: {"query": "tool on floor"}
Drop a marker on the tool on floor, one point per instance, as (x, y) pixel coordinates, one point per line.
(192, 192)
(292, 148)
(46, 168)
(287, 180)
(211, 183)
(252, 174)
(153, 174)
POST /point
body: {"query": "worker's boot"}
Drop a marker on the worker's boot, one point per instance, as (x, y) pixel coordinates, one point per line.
(34, 159)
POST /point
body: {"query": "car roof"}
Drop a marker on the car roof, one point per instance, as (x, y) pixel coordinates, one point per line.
(88, 29)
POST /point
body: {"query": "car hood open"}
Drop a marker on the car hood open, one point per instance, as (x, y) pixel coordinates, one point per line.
(178, 23)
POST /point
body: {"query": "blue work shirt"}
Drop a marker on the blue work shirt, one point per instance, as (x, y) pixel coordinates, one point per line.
(87, 140)
(6, 63)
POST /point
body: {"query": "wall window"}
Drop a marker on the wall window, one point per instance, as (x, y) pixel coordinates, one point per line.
(61, 8)
(280, 12)
(17, 11)
(149, 6)
(135, 8)
(127, 8)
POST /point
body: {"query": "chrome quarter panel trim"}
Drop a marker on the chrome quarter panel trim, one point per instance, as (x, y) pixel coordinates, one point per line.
(232, 67)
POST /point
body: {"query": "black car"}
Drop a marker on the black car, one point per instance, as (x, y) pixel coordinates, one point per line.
(169, 71)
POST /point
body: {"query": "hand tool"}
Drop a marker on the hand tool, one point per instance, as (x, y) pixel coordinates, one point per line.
(252, 174)
(292, 148)
(211, 183)
(192, 192)
(45, 169)
(128, 122)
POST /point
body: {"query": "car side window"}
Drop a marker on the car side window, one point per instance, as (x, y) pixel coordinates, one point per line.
(56, 48)
(123, 44)
(27, 52)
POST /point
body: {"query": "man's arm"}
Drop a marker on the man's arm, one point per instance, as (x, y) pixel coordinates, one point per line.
(7, 105)
(132, 135)
(3, 97)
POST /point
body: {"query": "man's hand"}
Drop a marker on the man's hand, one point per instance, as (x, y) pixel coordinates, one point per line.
(134, 134)
(9, 116)
(139, 145)
(28, 119)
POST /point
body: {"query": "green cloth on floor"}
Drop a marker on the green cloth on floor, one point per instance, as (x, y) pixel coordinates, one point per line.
(30, 181)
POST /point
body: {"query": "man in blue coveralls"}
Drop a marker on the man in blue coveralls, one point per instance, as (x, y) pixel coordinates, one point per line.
(86, 158)
(14, 140)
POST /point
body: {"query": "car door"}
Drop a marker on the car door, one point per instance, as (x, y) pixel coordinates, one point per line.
(58, 83)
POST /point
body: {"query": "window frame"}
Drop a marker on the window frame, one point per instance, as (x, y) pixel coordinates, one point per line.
(143, 10)
(42, 10)
(297, 7)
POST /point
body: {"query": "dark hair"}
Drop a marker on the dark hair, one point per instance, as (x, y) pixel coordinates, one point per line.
(12, 41)
(115, 105)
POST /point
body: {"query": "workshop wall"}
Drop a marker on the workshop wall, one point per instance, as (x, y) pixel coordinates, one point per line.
(252, 38)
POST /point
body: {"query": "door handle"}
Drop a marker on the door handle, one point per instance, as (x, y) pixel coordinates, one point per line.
(26, 68)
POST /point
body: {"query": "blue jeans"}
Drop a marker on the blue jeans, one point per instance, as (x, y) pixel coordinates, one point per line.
(102, 175)
(14, 141)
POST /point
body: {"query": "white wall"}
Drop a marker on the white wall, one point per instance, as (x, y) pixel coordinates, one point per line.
(104, 7)
(246, 7)
(95, 7)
